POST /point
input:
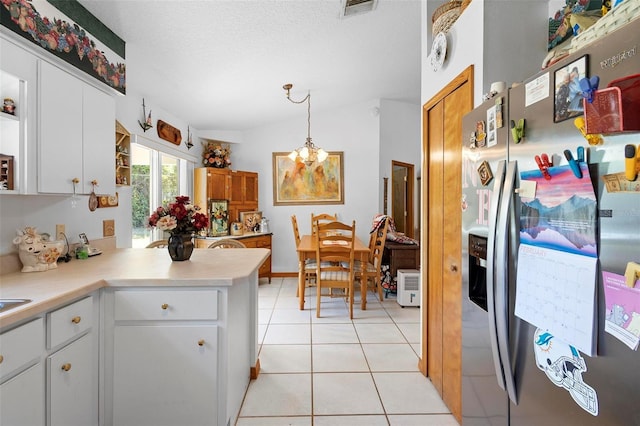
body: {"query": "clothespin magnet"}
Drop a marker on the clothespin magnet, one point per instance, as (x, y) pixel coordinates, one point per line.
(632, 274)
(592, 139)
(575, 167)
(589, 86)
(543, 164)
(517, 130)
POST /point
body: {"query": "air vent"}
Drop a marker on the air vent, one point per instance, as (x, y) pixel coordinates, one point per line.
(355, 7)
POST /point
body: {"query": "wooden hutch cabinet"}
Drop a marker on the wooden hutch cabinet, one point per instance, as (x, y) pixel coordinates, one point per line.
(240, 188)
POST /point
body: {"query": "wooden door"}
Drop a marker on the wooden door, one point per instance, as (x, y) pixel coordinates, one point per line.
(441, 237)
(402, 196)
(218, 183)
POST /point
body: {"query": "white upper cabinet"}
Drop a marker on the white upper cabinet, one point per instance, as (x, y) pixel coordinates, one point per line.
(75, 138)
(98, 128)
(17, 130)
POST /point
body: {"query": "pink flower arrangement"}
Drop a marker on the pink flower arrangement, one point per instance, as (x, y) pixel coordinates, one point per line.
(179, 217)
(216, 155)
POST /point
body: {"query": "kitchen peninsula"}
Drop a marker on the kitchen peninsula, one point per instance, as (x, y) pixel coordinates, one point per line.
(156, 342)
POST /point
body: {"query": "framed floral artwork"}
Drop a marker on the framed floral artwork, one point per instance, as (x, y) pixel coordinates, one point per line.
(295, 183)
(218, 217)
(251, 221)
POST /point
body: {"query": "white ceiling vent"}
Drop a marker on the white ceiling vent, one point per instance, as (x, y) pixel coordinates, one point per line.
(355, 7)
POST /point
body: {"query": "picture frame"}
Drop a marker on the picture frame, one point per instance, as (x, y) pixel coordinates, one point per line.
(567, 101)
(251, 221)
(484, 171)
(295, 183)
(218, 217)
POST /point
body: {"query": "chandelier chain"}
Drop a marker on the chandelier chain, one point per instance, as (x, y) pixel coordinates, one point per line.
(308, 153)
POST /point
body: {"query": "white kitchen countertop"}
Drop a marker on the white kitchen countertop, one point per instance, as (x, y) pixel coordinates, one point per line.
(124, 268)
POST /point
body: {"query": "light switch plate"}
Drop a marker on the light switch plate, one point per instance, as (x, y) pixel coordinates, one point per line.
(108, 228)
(59, 232)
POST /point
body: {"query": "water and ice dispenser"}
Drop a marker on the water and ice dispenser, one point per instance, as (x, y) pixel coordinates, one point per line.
(478, 270)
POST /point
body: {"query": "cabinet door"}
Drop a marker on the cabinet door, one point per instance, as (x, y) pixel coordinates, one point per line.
(237, 187)
(251, 188)
(22, 398)
(98, 127)
(244, 188)
(218, 184)
(165, 375)
(60, 132)
(72, 395)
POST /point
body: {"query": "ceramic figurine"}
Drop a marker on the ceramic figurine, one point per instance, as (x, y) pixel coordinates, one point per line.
(9, 106)
(36, 252)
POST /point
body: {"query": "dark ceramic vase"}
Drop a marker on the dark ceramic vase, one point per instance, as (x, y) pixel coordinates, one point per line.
(180, 246)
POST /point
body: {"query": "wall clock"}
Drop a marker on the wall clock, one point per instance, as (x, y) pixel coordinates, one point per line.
(438, 51)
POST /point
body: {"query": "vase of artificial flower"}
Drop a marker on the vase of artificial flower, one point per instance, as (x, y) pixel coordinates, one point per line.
(216, 155)
(181, 219)
(180, 246)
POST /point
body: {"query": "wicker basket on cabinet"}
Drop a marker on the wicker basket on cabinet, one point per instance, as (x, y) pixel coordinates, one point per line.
(445, 15)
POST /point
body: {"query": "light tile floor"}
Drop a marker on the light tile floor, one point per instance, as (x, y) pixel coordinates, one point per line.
(336, 371)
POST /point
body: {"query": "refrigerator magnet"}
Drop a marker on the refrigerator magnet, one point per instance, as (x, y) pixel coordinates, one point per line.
(480, 134)
(484, 171)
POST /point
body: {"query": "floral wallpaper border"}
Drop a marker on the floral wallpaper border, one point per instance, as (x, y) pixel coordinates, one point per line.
(44, 25)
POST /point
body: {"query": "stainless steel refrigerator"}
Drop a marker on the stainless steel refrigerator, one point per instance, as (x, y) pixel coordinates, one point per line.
(501, 382)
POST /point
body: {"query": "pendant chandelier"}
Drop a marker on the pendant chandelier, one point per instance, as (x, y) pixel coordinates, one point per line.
(308, 153)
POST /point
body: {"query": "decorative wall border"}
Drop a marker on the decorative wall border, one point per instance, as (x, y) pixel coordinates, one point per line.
(67, 30)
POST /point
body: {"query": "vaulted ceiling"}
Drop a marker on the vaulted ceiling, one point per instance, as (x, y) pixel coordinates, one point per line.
(221, 64)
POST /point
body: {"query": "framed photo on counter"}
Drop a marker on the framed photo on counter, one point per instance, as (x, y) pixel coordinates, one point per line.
(218, 217)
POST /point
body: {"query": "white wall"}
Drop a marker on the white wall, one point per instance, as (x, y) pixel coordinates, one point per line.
(504, 40)
(353, 130)
(400, 140)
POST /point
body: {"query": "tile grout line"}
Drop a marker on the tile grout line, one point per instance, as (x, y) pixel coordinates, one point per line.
(384, 410)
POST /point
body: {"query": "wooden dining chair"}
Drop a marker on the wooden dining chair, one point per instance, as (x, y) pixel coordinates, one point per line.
(370, 272)
(309, 264)
(322, 218)
(227, 243)
(335, 268)
(158, 244)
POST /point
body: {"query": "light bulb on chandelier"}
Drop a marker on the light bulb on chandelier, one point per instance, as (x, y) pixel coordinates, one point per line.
(308, 153)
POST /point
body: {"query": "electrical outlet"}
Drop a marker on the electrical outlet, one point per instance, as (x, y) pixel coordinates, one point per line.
(60, 232)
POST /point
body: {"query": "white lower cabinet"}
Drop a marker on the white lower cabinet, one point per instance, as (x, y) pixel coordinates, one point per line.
(22, 375)
(72, 364)
(165, 375)
(22, 398)
(165, 357)
(71, 388)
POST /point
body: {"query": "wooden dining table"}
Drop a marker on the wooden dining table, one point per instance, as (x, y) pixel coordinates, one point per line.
(307, 250)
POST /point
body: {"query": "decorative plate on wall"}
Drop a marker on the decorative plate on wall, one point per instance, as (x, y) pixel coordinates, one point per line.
(438, 51)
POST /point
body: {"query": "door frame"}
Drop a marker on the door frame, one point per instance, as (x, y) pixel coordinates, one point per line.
(408, 204)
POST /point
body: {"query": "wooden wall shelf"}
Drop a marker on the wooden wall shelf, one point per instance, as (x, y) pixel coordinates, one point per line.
(123, 155)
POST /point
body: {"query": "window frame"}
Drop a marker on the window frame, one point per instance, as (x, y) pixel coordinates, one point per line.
(185, 163)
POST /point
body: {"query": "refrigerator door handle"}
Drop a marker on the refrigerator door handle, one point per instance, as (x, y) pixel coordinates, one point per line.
(491, 251)
(502, 278)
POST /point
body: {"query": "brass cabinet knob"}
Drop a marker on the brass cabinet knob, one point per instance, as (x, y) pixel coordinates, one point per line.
(1, 359)
(453, 268)
(165, 306)
(76, 320)
(66, 367)
(201, 342)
